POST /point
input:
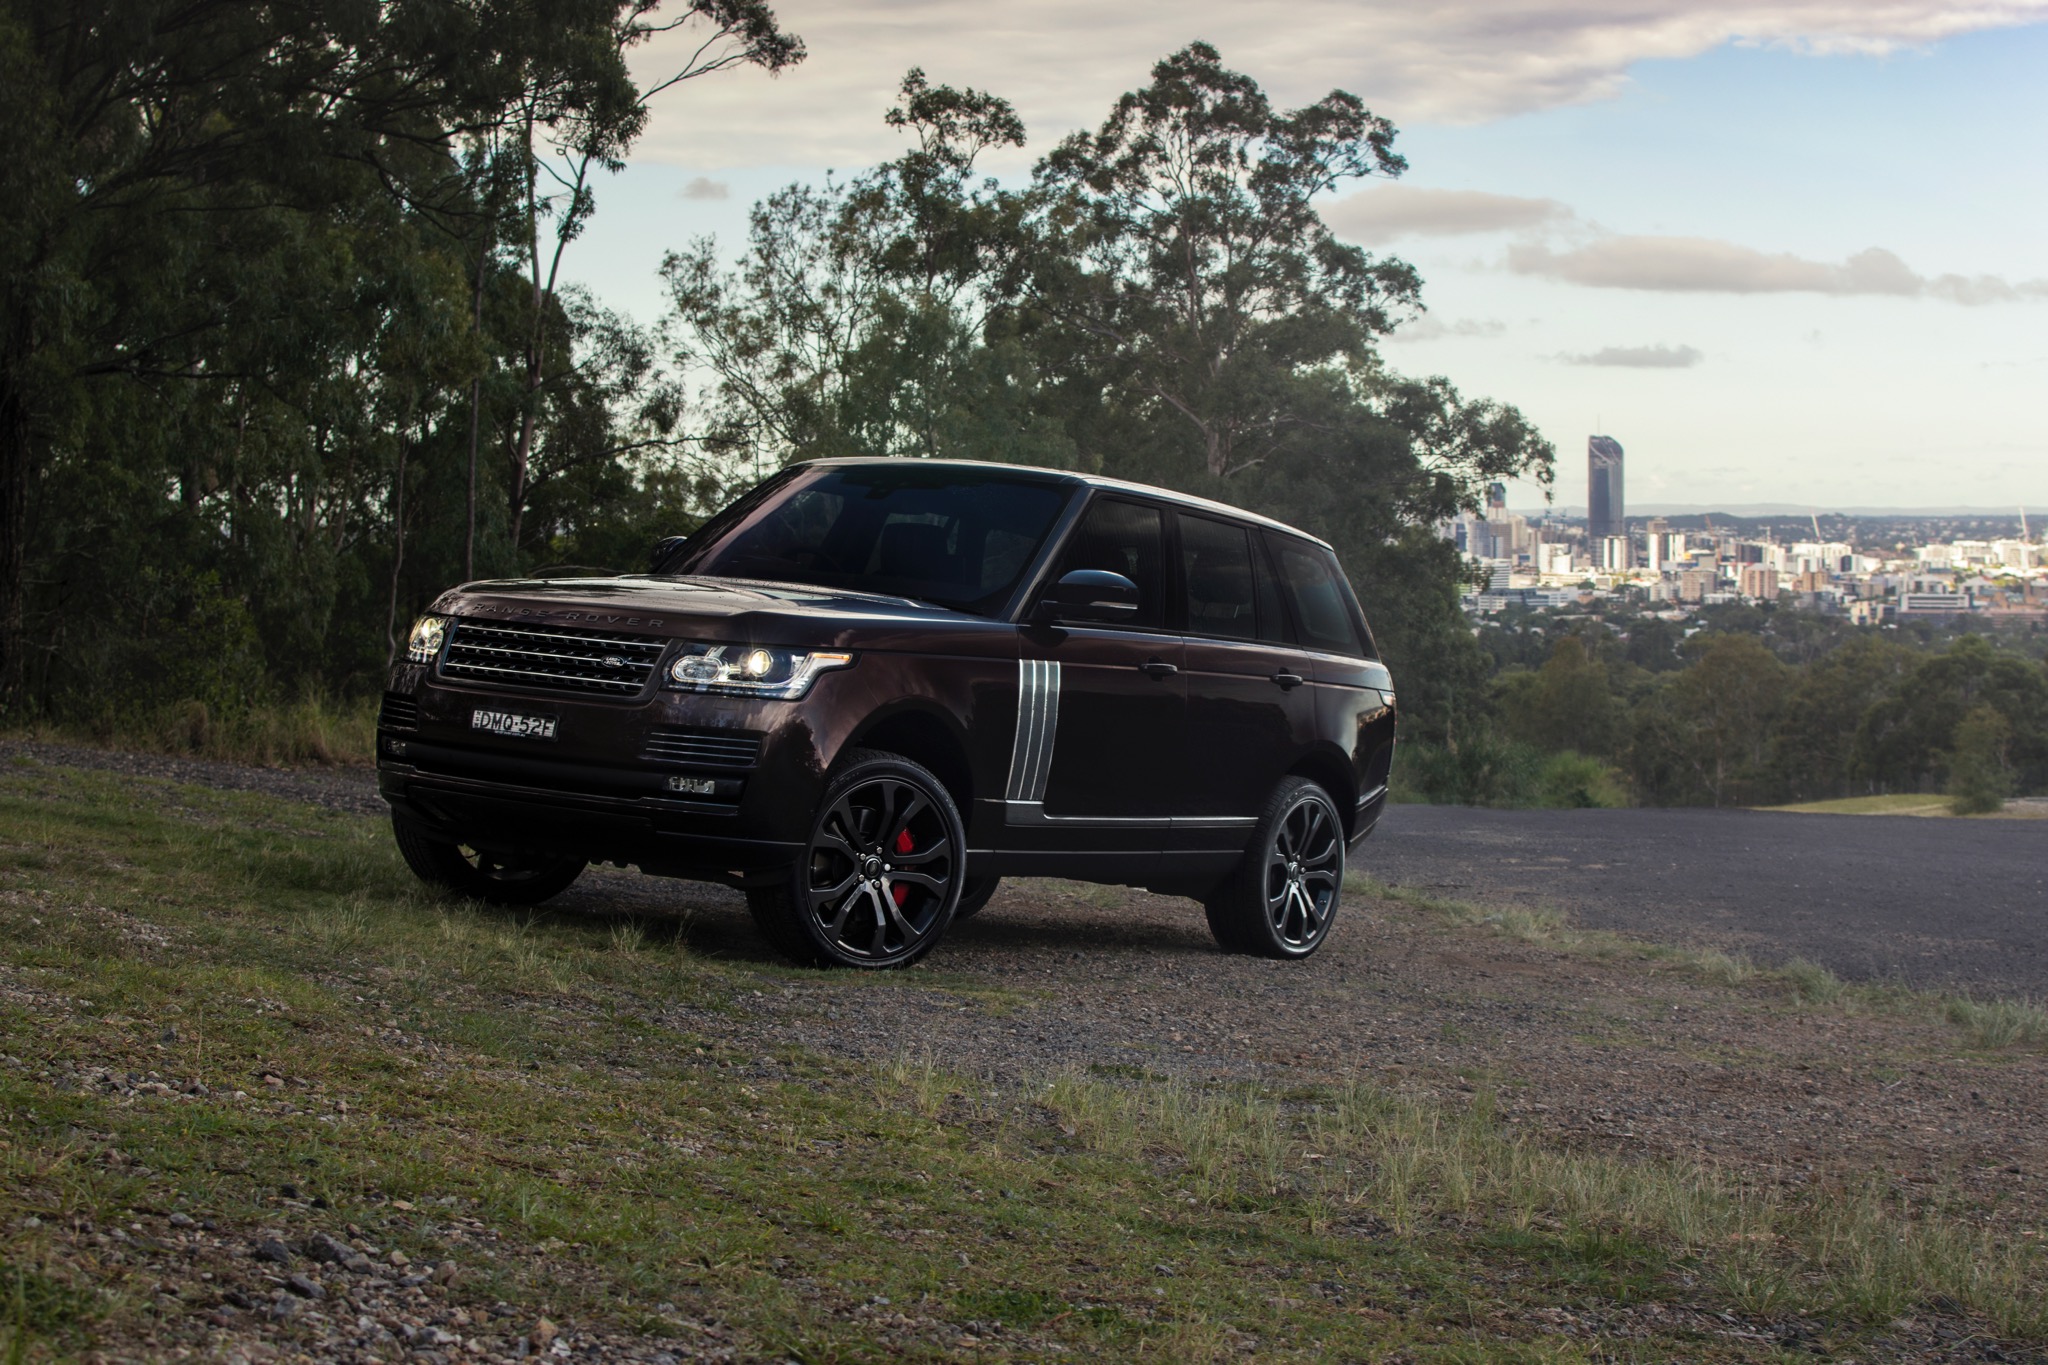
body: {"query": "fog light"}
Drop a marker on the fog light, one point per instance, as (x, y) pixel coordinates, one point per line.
(693, 786)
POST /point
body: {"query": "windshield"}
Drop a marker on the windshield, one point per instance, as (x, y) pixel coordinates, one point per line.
(957, 537)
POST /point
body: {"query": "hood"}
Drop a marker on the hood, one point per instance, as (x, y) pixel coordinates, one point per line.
(721, 610)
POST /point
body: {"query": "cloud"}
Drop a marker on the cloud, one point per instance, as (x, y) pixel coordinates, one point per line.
(1428, 327)
(1064, 62)
(704, 187)
(1702, 265)
(1388, 212)
(1640, 357)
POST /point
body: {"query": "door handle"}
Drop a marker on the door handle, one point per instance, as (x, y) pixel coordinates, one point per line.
(1288, 680)
(1158, 668)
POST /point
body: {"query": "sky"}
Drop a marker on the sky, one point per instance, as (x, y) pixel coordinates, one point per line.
(1784, 252)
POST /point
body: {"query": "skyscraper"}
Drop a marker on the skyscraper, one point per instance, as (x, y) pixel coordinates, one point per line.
(1603, 489)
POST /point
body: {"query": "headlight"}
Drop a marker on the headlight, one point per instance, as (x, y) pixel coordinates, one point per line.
(424, 645)
(751, 670)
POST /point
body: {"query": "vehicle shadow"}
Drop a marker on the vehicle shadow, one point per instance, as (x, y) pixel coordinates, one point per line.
(1018, 927)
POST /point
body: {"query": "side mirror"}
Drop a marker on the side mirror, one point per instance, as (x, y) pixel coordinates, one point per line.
(662, 549)
(1090, 595)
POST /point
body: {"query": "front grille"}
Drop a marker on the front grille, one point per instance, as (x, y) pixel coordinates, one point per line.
(703, 748)
(399, 712)
(554, 658)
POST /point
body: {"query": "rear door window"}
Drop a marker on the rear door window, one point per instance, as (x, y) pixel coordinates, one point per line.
(1228, 595)
(1316, 591)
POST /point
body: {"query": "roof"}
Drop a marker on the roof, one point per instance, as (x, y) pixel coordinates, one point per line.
(1187, 500)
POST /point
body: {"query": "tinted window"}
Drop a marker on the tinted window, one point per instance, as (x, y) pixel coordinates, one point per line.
(1222, 588)
(1315, 589)
(958, 537)
(1124, 538)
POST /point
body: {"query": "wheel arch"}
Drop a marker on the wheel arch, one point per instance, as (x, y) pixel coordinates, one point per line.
(1329, 769)
(927, 736)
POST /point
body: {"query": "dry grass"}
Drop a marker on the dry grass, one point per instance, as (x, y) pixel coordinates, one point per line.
(1363, 1155)
(312, 730)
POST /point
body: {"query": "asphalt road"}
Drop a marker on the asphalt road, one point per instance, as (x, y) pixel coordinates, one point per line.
(1957, 904)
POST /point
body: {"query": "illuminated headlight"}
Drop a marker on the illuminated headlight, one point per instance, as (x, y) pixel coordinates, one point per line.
(751, 670)
(424, 645)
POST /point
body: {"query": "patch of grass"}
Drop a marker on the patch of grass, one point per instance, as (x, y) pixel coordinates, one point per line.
(311, 730)
(577, 1111)
(1905, 803)
(1996, 1024)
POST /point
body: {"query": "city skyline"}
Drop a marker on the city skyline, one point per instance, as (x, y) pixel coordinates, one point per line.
(1691, 227)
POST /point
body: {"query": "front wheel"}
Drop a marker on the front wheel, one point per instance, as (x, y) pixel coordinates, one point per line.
(881, 872)
(478, 875)
(1282, 899)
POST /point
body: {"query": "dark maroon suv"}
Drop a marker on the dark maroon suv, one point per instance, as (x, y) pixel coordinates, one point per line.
(870, 688)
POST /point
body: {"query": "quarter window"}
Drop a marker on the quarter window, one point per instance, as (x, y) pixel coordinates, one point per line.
(1125, 538)
(1316, 590)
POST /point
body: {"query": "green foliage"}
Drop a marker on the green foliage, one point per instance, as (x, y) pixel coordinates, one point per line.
(283, 350)
(1979, 775)
(1483, 769)
(1703, 734)
(1567, 704)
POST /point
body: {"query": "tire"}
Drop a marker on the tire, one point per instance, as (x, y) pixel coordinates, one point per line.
(1282, 899)
(880, 878)
(974, 893)
(477, 875)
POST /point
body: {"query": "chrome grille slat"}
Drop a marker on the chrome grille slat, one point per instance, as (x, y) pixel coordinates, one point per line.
(702, 748)
(555, 658)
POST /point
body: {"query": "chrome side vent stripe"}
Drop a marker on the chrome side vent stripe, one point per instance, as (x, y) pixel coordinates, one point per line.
(1038, 716)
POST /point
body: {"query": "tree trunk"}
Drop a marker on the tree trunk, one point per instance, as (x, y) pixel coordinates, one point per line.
(397, 557)
(16, 462)
(476, 391)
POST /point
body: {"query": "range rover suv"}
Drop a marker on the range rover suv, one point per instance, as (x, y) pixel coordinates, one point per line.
(870, 689)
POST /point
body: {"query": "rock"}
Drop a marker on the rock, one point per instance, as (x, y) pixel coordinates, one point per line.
(545, 1332)
(283, 1306)
(270, 1249)
(182, 1220)
(306, 1288)
(399, 1258)
(444, 1273)
(328, 1250)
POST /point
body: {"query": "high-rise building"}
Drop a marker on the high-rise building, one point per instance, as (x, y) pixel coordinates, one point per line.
(1603, 489)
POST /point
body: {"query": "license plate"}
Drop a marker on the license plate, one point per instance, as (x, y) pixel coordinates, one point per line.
(512, 724)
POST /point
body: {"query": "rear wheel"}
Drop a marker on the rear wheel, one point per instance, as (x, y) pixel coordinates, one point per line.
(479, 875)
(880, 877)
(975, 893)
(1282, 899)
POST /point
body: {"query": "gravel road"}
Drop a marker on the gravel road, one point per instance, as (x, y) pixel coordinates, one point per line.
(1934, 902)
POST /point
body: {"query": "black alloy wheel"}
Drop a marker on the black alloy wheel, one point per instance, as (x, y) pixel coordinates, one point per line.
(480, 875)
(1282, 899)
(880, 877)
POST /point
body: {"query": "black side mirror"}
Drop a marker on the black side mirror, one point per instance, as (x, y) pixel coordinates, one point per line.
(662, 550)
(1090, 595)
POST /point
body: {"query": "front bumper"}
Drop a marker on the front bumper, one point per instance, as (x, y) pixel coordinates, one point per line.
(504, 814)
(605, 789)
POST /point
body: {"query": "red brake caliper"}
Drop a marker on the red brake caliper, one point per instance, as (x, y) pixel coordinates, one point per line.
(904, 844)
